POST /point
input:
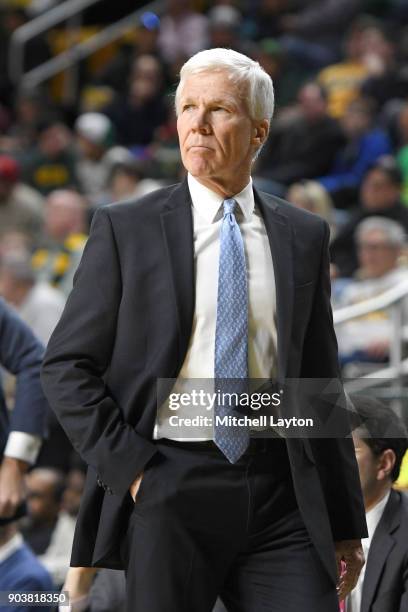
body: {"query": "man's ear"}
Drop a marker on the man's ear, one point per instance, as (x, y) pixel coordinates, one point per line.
(386, 464)
(260, 132)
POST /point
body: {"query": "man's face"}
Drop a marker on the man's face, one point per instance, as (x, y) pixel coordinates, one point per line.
(63, 215)
(378, 191)
(73, 492)
(376, 255)
(54, 140)
(42, 505)
(367, 466)
(56, 218)
(312, 102)
(217, 136)
(374, 470)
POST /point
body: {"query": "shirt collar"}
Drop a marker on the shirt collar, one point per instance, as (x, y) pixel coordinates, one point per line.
(374, 515)
(207, 203)
(10, 547)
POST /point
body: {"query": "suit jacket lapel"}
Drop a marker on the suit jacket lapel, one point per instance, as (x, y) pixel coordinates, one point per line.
(280, 241)
(177, 227)
(381, 546)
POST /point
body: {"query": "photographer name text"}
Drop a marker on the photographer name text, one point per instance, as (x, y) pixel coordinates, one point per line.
(239, 421)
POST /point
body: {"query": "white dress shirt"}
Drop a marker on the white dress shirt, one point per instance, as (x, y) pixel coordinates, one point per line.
(23, 446)
(373, 517)
(262, 333)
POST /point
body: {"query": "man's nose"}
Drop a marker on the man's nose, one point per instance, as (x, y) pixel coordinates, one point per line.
(200, 122)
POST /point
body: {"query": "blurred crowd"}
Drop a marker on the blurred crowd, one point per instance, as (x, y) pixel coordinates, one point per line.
(338, 147)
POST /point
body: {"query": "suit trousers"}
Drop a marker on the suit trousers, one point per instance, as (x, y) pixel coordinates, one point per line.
(202, 527)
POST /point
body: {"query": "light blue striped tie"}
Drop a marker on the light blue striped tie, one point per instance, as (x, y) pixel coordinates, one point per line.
(231, 335)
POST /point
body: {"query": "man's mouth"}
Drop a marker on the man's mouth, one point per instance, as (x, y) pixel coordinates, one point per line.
(199, 146)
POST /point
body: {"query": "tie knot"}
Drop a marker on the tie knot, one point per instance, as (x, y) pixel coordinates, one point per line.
(229, 206)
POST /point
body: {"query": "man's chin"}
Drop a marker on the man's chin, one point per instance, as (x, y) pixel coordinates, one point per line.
(200, 171)
(200, 165)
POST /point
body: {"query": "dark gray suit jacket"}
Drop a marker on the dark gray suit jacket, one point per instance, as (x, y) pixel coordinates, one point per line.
(128, 322)
(385, 587)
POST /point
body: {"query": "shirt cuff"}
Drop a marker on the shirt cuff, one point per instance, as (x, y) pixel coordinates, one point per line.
(23, 446)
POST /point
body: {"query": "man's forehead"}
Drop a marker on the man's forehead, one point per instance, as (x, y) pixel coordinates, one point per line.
(224, 86)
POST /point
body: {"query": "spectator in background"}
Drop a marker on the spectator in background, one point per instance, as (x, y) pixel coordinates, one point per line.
(47, 529)
(21, 434)
(314, 34)
(183, 31)
(144, 109)
(115, 73)
(20, 569)
(264, 19)
(14, 241)
(51, 164)
(301, 146)
(65, 231)
(30, 108)
(287, 77)
(224, 28)
(128, 180)
(21, 207)
(379, 245)
(402, 155)
(343, 80)
(22, 429)
(38, 304)
(94, 137)
(44, 491)
(388, 79)
(74, 487)
(311, 196)
(380, 441)
(365, 144)
(380, 195)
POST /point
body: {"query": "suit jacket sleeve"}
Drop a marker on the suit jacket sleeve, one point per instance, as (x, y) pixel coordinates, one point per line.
(335, 456)
(21, 354)
(77, 358)
(404, 596)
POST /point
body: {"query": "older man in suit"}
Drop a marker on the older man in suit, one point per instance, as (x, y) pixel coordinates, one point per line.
(206, 279)
(381, 441)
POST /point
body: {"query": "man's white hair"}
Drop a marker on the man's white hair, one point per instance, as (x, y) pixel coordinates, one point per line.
(393, 231)
(241, 69)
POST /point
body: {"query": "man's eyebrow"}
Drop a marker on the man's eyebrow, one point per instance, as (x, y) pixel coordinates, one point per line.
(216, 101)
(224, 101)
